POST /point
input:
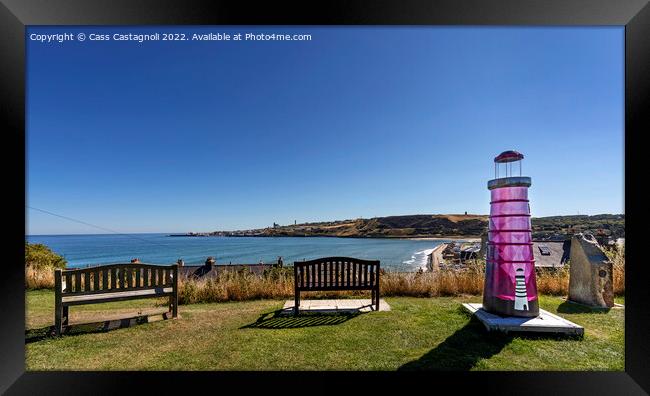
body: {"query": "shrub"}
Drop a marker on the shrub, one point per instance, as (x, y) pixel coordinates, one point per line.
(40, 256)
(40, 263)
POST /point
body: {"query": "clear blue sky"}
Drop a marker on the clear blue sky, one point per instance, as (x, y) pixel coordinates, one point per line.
(357, 122)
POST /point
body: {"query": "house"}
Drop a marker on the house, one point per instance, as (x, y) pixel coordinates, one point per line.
(551, 254)
(211, 270)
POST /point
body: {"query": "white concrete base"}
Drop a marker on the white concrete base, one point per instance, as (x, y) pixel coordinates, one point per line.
(335, 306)
(616, 305)
(546, 322)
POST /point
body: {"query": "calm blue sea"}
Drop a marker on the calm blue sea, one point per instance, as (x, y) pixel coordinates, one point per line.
(81, 250)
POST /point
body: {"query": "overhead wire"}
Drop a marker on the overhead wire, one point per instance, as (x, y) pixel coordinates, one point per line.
(96, 226)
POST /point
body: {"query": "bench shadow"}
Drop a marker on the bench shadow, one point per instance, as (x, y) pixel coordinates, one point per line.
(275, 320)
(462, 350)
(569, 307)
(42, 333)
(468, 345)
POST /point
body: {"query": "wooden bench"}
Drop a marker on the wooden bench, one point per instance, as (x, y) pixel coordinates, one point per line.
(114, 282)
(336, 273)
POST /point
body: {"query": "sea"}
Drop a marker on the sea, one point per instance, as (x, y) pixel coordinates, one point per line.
(404, 255)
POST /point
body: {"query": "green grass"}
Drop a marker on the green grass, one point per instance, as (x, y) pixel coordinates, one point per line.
(418, 333)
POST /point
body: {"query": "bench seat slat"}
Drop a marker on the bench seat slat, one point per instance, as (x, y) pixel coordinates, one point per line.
(334, 288)
(365, 275)
(113, 278)
(121, 278)
(159, 291)
(312, 275)
(347, 273)
(95, 280)
(68, 282)
(336, 273)
(302, 273)
(87, 281)
(104, 279)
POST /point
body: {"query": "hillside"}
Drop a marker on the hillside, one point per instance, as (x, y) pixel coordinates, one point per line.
(612, 225)
(447, 225)
(391, 226)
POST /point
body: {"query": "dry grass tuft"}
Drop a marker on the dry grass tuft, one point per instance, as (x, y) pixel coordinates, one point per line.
(553, 282)
(618, 259)
(236, 286)
(434, 284)
(39, 277)
(278, 283)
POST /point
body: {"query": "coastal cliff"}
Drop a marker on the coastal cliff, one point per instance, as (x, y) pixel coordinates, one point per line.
(389, 227)
(431, 226)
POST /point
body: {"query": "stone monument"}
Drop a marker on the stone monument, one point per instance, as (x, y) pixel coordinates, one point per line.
(591, 280)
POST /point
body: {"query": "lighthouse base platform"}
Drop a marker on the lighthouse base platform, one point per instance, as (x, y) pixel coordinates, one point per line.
(546, 322)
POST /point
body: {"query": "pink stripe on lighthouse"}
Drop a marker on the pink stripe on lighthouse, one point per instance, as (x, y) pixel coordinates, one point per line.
(510, 250)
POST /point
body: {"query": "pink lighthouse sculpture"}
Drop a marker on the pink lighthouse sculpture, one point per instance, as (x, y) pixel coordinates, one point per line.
(510, 286)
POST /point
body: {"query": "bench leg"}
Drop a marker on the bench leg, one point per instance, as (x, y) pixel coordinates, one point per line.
(174, 299)
(296, 304)
(58, 303)
(173, 305)
(58, 320)
(377, 298)
(66, 316)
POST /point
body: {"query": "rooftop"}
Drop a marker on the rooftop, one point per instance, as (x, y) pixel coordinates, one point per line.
(508, 156)
(559, 253)
(205, 271)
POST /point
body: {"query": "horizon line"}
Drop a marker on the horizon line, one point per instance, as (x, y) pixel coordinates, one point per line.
(325, 221)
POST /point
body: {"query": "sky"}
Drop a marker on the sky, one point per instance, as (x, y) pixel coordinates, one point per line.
(171, 136)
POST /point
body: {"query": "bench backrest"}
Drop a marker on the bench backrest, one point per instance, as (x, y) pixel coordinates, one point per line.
(114, 277)
(336, 273)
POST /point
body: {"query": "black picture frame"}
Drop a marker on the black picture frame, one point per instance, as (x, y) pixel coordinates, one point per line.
(15, 15)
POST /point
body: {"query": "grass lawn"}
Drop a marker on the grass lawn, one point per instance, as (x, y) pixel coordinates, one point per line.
(418, 333)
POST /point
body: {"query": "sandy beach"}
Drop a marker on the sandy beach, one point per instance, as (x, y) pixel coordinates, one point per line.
(452, 238)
